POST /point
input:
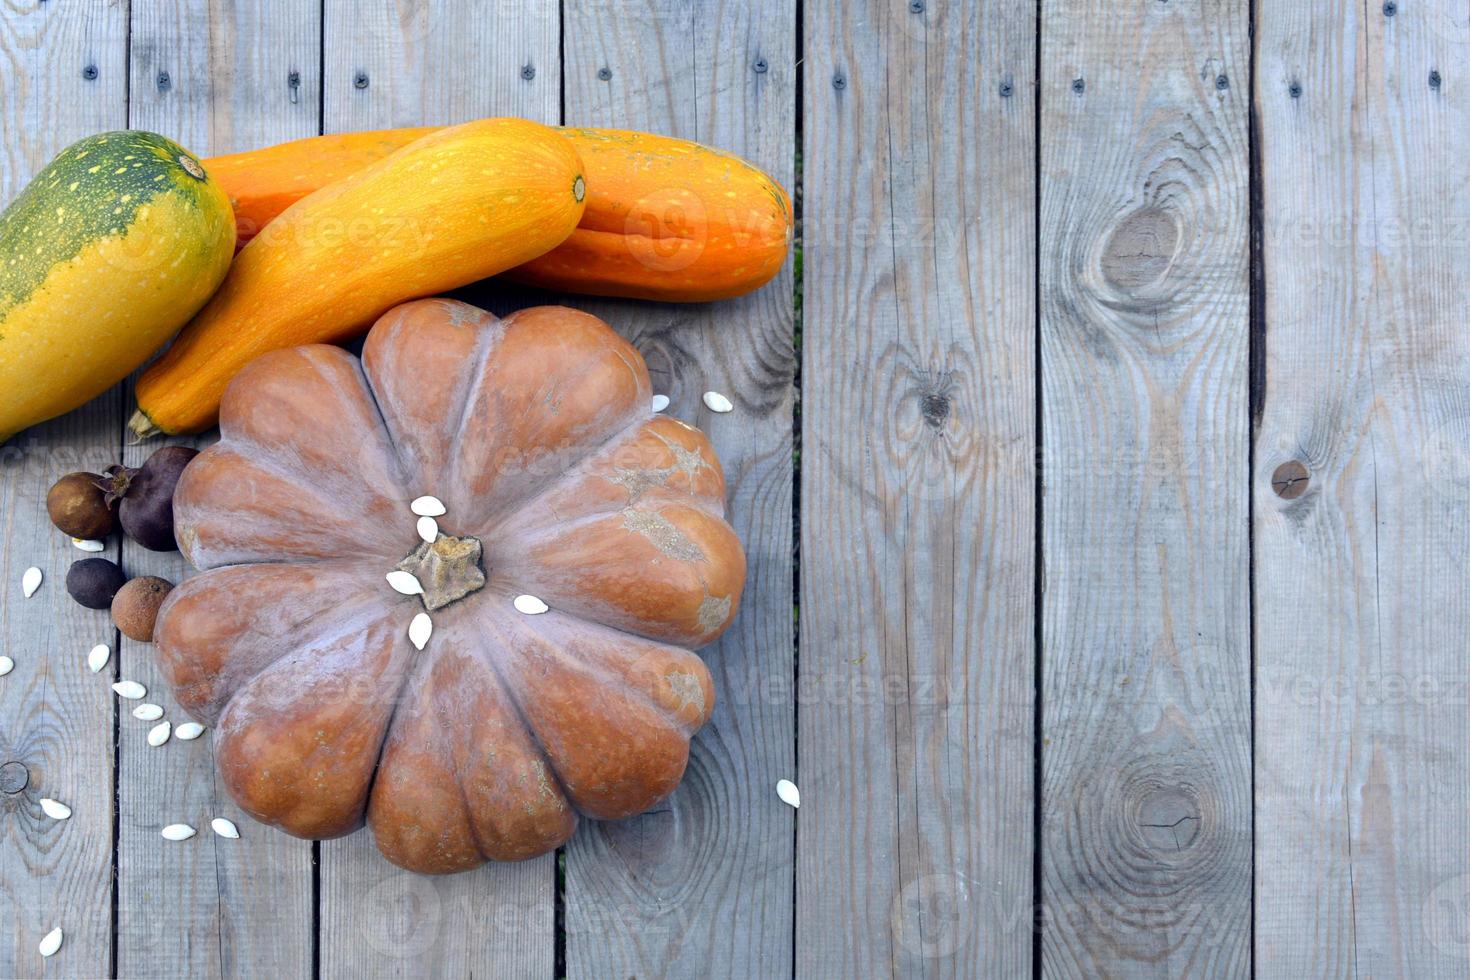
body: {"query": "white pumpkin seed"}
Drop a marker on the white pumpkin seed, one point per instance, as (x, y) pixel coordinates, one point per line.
(178, 831)
(224, 828)
(405, 582)
(717, 402)
(159, 734)
(419, 630)
(148, 712)
(97, 658)
(55, 810)
(428, 529)
(660, 402)
(30, 581)
(6, 666)
(131, 690)
(81, 544)
(189, 731)
(788, 792)
(428, 507)
(50, 943)
(530, 605)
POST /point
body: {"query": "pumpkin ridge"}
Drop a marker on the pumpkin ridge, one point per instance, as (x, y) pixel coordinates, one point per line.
(612, 343)
(302, 658)
(580, 471)
(297, 631)
(372, 392)
(263, 459)
(515, 701)
(495, 332)
(556, 652)
(416, 664)
(187, 592)
(612, 678)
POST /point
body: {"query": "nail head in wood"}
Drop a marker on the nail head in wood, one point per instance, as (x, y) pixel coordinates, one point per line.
(164, 82)
(916, 6)
(528, 72)
(1290, 480)
(760, 67)
(360, 80)
(839, 81)
(1006, 89)
(1222, 82)
(1390, 8)
(1434, 79)
(605, 74)
(90, 73)
(1079, 86)
(14, 777)
(1294, 90)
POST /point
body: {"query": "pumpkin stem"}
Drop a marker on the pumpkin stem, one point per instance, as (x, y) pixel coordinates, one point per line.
(449, 569)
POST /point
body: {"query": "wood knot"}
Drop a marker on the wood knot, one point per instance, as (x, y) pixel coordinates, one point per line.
(1140, 249)
(934, 406)
(1168, 818)
(14, 777)
(1290, 480)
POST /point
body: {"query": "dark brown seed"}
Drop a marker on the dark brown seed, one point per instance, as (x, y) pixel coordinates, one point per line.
(77, 505)
(94, 582)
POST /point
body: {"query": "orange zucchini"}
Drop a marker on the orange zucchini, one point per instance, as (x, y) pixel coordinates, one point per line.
(666, 219)
(452, 207)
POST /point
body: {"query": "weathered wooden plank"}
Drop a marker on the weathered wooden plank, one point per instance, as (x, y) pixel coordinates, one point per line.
(1363, 744)
(393, 63)
(430, 62)
(217, 78)
(64, 79)
(702, 886)
(1146, 834)
(914, 845)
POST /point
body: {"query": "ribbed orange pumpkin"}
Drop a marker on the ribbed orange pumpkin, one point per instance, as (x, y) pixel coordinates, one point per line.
(557, 481)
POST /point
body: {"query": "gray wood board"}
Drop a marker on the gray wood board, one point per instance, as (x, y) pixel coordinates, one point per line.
(914, 843)
(65, 79)
(1362, 740)
(703, 885)
(1146, 800)
(218, 80)
(393, 64)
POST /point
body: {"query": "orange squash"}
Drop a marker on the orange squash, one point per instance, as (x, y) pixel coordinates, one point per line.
(448, 209)
(666, 219)
(263, 183)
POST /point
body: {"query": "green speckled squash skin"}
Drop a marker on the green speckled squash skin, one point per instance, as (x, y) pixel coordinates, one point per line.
(103, 257)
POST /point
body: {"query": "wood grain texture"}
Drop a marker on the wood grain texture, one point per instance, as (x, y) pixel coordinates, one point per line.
(1146, 835)
(427, 63)
(914, 843)
(392, 63)
(1363, 744)
(224, 77)
(56, 718)
(703, 886)
(216, 78)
